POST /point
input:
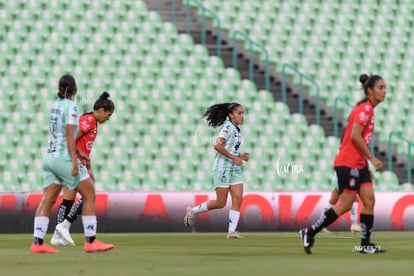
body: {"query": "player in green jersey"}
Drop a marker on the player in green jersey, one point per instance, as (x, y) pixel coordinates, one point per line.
(61, 167)
(227, 175)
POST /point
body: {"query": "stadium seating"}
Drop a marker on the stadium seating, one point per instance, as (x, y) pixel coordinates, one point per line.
(328, 40)
(160, 81)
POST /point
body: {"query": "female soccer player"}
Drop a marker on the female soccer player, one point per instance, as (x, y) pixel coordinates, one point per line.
(227, 176)
(61, 167)
(351, 167)
(88, 130)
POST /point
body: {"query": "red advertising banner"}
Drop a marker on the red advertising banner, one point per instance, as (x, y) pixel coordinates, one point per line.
(164, 212)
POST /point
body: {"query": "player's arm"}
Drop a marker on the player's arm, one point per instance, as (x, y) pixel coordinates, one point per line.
(222, 150)
(79, 152)
(71, 145)
(358, 141)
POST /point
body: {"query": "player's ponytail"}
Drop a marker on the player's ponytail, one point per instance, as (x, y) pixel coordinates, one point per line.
(104, 102)
(368, 82)
(218, 113)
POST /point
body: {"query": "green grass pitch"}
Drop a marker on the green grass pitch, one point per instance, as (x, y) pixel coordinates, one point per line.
(277, 253)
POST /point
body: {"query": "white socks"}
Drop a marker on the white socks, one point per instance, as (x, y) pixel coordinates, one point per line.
(40, 227)
(233, 220)
(354, 213)
(89, 225)
(200, 208)
(66, 224)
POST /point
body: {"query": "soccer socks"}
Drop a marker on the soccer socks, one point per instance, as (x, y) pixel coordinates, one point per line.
(40, 228)
(64, 210)
(354, 212)
(326, 208)
(200, 208)
(367, 222)
(89, 227)
(325, 220)
(233, 220)
(75, 211)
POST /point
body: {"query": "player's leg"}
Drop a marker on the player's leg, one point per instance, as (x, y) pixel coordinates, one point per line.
(221, 182)
(347, 189)
(75, 211)
(236, 193)
(66, 205)
(41, 220)
(355, 227)
(64, 209)
(87, 191)
(332, 201)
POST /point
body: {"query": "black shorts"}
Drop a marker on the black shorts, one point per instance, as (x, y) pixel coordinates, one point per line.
(351, 179)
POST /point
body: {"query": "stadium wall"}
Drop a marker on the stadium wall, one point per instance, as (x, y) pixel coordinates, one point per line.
(164, 212)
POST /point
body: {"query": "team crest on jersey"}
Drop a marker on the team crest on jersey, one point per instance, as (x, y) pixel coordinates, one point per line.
(351, 182)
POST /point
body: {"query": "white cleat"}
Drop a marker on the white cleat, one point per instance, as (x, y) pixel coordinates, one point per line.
(56, 240)
(355, 228)
(234, 235)
(64, 234)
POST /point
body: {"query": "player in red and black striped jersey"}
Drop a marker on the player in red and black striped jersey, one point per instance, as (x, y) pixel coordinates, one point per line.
(88, 130)
(351, 166)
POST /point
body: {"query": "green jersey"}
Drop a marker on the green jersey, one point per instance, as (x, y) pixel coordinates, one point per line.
(233, 141)
(63, 112)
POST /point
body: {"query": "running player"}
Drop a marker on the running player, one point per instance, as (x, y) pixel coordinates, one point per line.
(88, 130)
(227, 176)
(61, 167)
(351, 167)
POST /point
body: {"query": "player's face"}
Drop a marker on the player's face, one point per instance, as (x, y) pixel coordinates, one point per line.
(103, 115)
(378, 91)
(237, 117)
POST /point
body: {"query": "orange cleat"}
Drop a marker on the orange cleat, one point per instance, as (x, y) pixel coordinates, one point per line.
(43, 248)
(97, 246)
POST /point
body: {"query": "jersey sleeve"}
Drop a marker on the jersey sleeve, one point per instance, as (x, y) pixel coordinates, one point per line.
(72, 115)
(363, 114)
(225, 132)
(84, 124)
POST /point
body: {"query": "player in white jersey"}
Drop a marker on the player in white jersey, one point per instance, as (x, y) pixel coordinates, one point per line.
(61, 167)
(227, 176)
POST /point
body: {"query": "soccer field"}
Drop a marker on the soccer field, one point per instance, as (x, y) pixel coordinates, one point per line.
(212, 254)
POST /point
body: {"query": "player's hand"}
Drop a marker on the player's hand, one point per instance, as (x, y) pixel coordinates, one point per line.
(238, 161)
(83, 156)
(74, 168)
(377, 164)
(244, 156)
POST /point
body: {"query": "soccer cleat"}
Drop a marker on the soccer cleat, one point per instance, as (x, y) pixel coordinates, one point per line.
(355, 228)
(56, 240)
(188, 219)
(42, 248)
(325, 230)
(97, 246)
(307, 240)
(370, 249)
(64, 234)
(234, 235)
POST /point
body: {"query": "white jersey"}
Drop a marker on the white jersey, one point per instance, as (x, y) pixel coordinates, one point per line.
(233, 141)
(63, 112)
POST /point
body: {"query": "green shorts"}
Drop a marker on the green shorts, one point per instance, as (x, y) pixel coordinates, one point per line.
(59, 171)
(225, 178)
